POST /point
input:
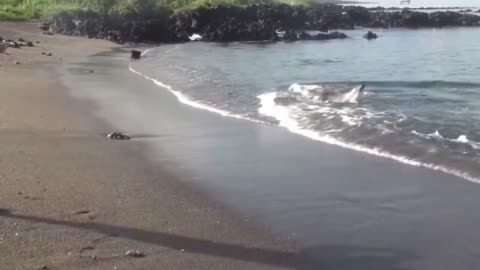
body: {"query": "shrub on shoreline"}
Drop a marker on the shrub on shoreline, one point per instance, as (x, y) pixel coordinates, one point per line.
(34, 9)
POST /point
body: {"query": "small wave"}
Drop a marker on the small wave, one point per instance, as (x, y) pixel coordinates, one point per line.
(463, 139)
(185, 100)
(283, 114)
(434, 135)
(414, 84)
(319, 93)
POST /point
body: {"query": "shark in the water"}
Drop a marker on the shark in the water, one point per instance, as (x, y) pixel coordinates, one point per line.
(351, 96)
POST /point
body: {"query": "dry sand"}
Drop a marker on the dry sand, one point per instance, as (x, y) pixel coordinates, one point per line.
(72, 199)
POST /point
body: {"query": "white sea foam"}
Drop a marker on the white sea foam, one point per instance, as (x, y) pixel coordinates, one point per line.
(286, 118)
(436, 135)
(195, 37)
(283, 114)
(319, 93)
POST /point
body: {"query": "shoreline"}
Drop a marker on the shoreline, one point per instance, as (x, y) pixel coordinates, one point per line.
(311, 134)
(342, 207)
(65, 202)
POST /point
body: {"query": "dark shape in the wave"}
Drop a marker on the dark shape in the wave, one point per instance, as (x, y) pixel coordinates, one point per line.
(350, 96)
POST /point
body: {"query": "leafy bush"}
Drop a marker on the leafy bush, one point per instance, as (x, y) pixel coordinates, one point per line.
(29, 9)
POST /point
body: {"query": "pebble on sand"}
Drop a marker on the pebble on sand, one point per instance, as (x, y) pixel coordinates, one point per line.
(134, 253)
(118, 136)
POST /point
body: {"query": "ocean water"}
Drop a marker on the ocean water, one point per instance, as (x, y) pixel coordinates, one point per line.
(420, 104)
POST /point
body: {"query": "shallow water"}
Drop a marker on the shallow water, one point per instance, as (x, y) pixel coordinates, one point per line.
(343, 209)
(420, 105)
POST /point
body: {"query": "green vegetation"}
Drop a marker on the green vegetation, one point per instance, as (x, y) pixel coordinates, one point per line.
(30, 9)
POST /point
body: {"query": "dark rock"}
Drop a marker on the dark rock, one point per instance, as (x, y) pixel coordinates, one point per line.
(254, 22)
(134, 253)
(38, 42)
(290, 36)
(338, 35)
(3, 47)
(333, 35)
(30, 44)
(44, 26)
(134, 54)
(118, 136)
(370, 35)
(49, 54)
(21, 40)
(305, 36)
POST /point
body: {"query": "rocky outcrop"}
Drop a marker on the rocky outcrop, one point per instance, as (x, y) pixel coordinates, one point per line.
(117, 29)
(290, 36)
(370, 35)
(134, 54)
(250, 23)
(293, 36)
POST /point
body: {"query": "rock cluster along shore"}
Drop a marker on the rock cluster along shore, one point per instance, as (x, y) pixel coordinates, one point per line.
(251, 23)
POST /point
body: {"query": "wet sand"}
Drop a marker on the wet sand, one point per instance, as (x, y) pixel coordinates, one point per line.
(72, 199)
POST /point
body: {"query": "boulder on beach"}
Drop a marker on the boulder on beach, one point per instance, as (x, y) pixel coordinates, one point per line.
(3, 47)
(370, 35)
(134, 54)
(290, 35)
(118, 136)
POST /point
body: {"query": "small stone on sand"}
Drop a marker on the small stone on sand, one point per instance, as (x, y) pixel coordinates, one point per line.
(82, 212)
(118, 136)
(134, 253)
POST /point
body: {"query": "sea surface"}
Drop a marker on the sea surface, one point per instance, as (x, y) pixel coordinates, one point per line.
(420, 104)
(280, 134)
